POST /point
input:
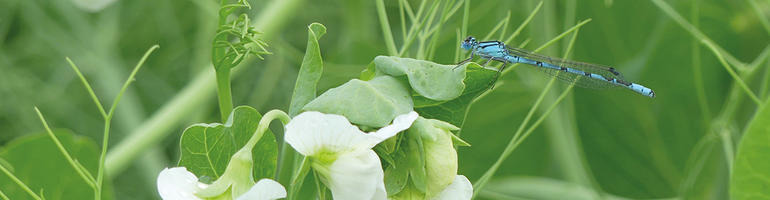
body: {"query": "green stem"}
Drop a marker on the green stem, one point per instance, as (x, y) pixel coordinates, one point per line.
(700, 91)
(18, 182)
(732, 73)
(223, 93)
(760, 15)
(264, 123)
(298, 178)
(108, 119)
(3, 196)
(66, 154)
(194, 95)
(386, 28)
(695, 32)
(88, 87)
(518, 137)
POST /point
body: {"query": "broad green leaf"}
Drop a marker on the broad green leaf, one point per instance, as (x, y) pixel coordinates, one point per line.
(309, 72)
(206, 148)
(750, 177)
(540, 188)
(431, 80)
(37, 162)
(372, 103)
(477, 80)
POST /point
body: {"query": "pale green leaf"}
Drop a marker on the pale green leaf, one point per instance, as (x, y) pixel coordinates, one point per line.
(431, 80)
(309, 72)
(751, 171)
(372, 103)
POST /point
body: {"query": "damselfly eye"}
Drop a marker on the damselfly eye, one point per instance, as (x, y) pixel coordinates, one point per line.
(470, 38)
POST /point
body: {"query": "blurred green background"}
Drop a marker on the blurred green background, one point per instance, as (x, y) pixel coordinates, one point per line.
(610, 143)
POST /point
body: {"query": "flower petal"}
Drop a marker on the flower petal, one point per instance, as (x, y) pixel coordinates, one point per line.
(312, 131)
(265, 189)
(178, 184)
(460, 189)
(357, 175)
(400, 123)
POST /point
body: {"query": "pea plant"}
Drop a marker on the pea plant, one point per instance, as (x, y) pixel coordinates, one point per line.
(393, 131)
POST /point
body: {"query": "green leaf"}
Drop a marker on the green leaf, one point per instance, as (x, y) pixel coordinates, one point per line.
(309, 72)
(477, 80)
(750, 177)
(540, 188)
(36, 161)
(397, 174)
(371, 103)
(431, 80)
(206, 148)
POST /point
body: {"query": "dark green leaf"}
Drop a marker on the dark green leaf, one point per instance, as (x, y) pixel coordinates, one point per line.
(477, 80)
(207, 148)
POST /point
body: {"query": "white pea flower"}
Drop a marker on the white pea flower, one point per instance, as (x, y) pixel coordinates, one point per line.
(342, 154)
(179, 184)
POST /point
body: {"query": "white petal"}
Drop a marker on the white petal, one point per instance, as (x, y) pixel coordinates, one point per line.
(309, 132)
(460, 189)
(400, 123)
(177, 184)
(265, 189)
(357, 175)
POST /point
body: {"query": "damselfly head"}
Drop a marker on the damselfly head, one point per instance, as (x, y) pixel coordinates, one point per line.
(468, 43)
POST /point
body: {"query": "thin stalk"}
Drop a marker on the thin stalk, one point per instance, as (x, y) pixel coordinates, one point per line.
(727, 147)
(19, 183)
(732, 73)
(549, 43)
(513, 143)
(82, 173)
(386, 32)
(107, 121)
(466, 13)
(414, 28)
(299, 178)
(88, 88)
(765, 81)
(3, 196)
(403, 18)
(695, 32)
(700, 91)
(524, 23)
(518, 137)
(505, 25)
(497, 27)
(763, 19)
